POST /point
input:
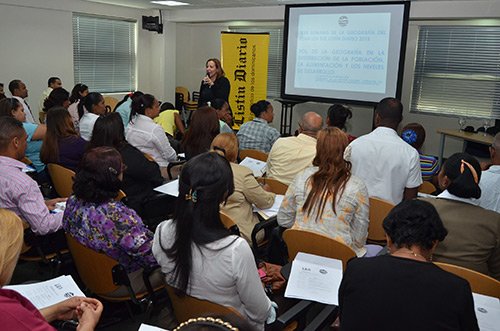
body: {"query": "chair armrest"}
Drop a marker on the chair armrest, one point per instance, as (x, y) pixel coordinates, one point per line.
(300, 309)
(324, 318)
(270, 223)
(146, 273)
(173, 164)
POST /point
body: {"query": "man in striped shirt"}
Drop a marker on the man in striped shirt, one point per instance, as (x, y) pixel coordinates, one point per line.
(18, 192)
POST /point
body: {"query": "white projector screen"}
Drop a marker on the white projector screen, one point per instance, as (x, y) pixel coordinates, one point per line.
(350, 52)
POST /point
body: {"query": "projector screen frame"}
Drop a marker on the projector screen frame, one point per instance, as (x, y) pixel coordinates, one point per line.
(402, 52)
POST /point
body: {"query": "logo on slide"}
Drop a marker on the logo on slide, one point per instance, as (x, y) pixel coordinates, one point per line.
(343, 21)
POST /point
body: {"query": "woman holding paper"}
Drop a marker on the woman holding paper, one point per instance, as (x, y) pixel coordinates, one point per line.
(247, 191)
(405, 290)
(326, 198)
(17, 312)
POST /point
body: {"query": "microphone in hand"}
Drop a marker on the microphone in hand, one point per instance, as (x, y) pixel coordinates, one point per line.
(206, 79)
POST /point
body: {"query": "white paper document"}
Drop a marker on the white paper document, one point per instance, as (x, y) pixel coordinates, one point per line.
(146, 327)
(315, 278)
(258, 168)
(487, 312)
(273, 210)
(170, 188)
(50, 292)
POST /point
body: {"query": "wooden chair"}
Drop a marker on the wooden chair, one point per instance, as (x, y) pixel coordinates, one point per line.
(277, 187)
(378, 211)
(62, 178)
(254, 154)
(427, 188)
(111, 102)
(186, 307)
(26, 161)
(42, 116)
(229, 223)
(317, 244)
(101, 274)
(479, 283)
(120, 196)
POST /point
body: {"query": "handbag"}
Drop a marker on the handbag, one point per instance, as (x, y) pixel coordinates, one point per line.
(273, 279)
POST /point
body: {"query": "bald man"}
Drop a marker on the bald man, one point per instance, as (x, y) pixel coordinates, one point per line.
(291, 155)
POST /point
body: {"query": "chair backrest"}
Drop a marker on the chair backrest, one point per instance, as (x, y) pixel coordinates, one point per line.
(111, 102)
(120, 195)
(186, 307)
(427, 188)
(317, 244)
(62, 178)
(276, 186)
(254, 154)
(184, 91)
(479, 283)
(378, 211)
(95, 269)
(229, 223)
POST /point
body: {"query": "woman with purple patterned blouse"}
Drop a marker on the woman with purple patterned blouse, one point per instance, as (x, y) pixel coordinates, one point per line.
(97, 221)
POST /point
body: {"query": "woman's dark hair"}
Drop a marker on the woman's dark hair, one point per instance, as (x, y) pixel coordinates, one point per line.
(166, 106)
(338, 115)
(108, 131)
(414, 134)
(259, 107)
(140, 104)
(88, 102)
(56, 98)
(76, 92)
(8, 105)
(218, 103)
(463, 182)
(414, 222)
(215, 323)
(204, 183)
(59, 125)
(127, 96)
(97, 178)
(204, 127)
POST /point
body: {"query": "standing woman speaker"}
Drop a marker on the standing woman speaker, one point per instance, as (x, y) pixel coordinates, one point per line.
(214, 85)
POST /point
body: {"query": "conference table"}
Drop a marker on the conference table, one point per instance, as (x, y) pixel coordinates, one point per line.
(465, 136)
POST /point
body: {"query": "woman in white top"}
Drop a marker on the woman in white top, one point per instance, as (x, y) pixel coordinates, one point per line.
(78, 92)
(326, 198)
(90, 108)
(147, 136)
(198, 255)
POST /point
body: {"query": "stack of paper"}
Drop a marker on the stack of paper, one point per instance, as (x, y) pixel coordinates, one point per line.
(146, 327)
(487, 312)
(315, 278)
(170, 188)
(273, 210)
(50, 292)
(258, 168)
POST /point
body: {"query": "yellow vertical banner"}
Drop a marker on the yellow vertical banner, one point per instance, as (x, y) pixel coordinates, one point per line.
(244, 59)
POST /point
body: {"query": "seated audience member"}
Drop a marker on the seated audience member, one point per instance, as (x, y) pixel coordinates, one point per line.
(59, 97)
(16, 311)
(78, 92)
(2, 93)
(89, 109)
(97, 221)
(418, 295)
(215, 323)
(490, 179)
(36, 132)
(202, 130)
(222, 108)
(19, 91)
(19, 192)
(291, 155)
(247, 191)
(124, 106)
(414, 134)
(141, 175)
(258, 134)
(325, 197)
(53, 83)
(338, 116)
(474, 240)
(170, 120)
(147, 136)
(198, 255)
(389, 167)
(62, 144)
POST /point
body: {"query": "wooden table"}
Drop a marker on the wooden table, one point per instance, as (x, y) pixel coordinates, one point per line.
(465, 136)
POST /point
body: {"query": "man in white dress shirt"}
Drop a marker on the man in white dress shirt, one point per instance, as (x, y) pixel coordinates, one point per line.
(19, 91)
(389, 166)
(490, 179)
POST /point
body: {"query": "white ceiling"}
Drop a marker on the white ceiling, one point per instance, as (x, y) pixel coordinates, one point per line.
(197, 4)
